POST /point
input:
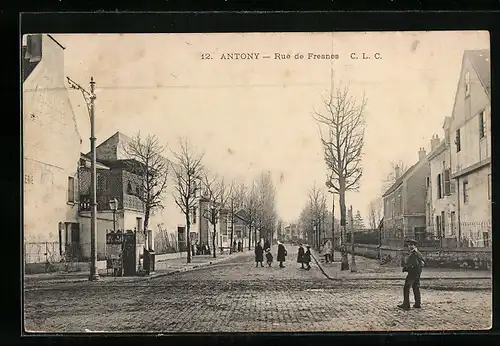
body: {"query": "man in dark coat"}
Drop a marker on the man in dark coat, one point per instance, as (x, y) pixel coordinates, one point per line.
(413, 268)
(259, 255)
(239, 246)
(300, 256)
(281, 254)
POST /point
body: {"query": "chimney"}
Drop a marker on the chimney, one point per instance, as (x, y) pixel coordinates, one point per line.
(421, 154)
(398, 171)
(435, 141)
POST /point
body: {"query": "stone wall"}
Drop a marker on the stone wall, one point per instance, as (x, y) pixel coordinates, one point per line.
(465, 258)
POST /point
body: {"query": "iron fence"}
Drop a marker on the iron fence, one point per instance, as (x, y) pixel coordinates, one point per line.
(443, 234)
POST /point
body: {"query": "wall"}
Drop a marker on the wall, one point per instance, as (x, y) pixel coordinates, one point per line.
(468, 258)
(104, 222)
(475, 216)
(465, 114)
(51, 147)
(415, 190)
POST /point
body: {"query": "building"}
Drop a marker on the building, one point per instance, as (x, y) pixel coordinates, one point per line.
(470, 150)
(405, 200)
(51, 151)
(441, 216)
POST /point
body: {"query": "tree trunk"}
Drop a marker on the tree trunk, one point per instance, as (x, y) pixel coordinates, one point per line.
(214, 238)
(188, 238)
(146, 225)
(345, 260)
(249, 236)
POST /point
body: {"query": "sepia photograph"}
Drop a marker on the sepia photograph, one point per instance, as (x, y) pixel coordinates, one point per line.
(256, 182)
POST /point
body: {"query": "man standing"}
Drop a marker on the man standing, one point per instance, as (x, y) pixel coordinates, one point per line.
(413, 268)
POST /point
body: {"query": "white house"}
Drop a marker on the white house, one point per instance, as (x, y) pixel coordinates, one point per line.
(470, 149)
(51, 151)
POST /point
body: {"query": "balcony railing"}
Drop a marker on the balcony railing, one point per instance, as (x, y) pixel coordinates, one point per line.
(129, 202)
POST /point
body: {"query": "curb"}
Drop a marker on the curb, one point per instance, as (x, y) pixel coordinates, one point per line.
(393, 278)
(39, 284)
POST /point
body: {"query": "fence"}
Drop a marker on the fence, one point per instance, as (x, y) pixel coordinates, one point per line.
(444, 234)
(165, 242)
(55, 252)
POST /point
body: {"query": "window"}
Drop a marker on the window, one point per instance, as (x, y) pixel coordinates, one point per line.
(489, 187)
(452, 223)
(467, 83)
(427, 182)
(71, 189)
(438, 226)
(466, 191)
(439, 184)
(447, 182)
(481, 125)
(129, 188)
(457, 140)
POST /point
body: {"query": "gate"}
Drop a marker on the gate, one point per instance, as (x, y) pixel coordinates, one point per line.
(129, 253)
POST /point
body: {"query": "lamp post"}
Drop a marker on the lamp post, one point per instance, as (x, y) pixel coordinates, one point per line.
(213, 217)
(90, 100)
(113, 205)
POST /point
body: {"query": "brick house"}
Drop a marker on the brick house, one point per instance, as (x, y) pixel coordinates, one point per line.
(470, 149)
(405, 200)
(51, 150)
(115, 179)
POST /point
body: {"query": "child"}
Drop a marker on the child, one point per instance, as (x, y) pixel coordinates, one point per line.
(307, 257)
(269, 257)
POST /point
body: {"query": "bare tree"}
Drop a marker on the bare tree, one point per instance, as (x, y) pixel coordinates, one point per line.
(251, 205)
(235, 203)
(359, 223)
(318, 213)
(342, 129)
(398, 168)
(375, 212)
(217, 192)
(188, 170)
(145, 158)
(266, 215)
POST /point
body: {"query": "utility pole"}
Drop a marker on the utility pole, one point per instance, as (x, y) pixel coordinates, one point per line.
(89, 98)
(353, 256)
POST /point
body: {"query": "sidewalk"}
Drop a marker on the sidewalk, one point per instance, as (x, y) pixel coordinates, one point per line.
(370, 269)
(162, 268)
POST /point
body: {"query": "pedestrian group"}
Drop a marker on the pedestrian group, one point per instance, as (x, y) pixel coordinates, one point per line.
(303, 257)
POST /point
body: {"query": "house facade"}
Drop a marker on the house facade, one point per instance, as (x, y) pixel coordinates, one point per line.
(441, 208)
(405, 200)
(51, 151)
(470, 150)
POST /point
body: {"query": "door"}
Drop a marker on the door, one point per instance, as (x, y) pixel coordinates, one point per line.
(74, 246)
(181, 238)
(128, 253)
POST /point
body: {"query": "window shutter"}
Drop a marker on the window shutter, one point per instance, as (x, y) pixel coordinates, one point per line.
(447, 187)
(452, 187)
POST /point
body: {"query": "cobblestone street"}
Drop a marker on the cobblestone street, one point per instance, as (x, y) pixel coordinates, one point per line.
(234, 296)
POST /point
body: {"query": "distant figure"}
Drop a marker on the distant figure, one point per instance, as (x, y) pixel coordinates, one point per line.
(240, 247)
(234, 246)
(281, 254)
(269, 257)
(259, 255)
(413, 267)
(327, 251)
(307, 257)
(300, 256)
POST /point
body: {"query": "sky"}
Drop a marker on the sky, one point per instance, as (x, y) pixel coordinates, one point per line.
(249, 116)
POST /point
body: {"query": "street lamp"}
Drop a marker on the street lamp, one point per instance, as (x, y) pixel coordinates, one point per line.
(113, 205)
(89, 98)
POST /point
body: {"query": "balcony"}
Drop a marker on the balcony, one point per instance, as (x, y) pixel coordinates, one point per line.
(129, 202)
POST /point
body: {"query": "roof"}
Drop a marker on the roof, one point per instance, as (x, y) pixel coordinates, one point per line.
(399, 181)
(480, 60)
(99, 165)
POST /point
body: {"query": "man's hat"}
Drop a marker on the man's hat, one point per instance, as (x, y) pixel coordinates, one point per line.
(411, 241)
